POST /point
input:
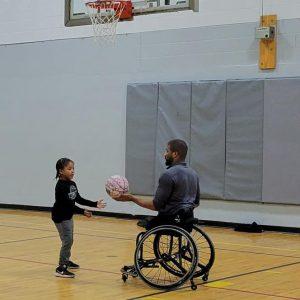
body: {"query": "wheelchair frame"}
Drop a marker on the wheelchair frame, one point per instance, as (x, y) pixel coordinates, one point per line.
(173, 251)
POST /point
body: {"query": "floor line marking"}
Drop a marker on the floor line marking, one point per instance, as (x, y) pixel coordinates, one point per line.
(25, 240)
(49, 264)
(219, 279)
(251, 292)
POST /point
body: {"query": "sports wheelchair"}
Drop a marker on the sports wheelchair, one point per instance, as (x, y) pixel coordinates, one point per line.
(167, 256)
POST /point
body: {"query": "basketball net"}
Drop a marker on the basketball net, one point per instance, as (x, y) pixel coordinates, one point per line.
(105, 15)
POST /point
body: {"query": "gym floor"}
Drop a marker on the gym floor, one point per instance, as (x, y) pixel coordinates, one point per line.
(248, 265)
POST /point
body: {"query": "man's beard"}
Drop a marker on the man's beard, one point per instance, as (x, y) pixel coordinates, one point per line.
(169, 161)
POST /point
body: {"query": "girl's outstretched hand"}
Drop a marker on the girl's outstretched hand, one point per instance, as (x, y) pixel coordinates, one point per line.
(101, 204)
(87, 213)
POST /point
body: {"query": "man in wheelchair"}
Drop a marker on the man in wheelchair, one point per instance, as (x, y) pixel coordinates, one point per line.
(177, 194)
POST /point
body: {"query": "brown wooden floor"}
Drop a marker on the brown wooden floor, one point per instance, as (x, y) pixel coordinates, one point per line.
(248, 266)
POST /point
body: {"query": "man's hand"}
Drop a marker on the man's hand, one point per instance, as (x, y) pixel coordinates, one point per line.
(87, 213)
(121, 197)
(101, 204)
(146, 203)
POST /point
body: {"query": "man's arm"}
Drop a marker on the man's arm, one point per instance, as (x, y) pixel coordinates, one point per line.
(146, 203)
(162, 195)
(163, 192)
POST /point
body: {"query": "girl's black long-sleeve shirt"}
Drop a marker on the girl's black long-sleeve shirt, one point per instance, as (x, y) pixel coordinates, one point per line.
(66, 194)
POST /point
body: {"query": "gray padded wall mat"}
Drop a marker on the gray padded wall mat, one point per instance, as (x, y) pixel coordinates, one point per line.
(281, 172)
(141, 117)
(174, 109)
(208, 136)
(244, 137)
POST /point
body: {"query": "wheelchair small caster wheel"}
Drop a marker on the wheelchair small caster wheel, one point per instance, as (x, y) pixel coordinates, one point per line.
(124, 277)
(205, 277)
(193, 285)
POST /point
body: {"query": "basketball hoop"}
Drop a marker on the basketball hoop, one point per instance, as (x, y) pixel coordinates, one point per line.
(105, 15)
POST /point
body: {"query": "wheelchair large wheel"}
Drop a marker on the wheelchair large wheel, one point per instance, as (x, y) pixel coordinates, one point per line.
(180, 255)
(206, 253)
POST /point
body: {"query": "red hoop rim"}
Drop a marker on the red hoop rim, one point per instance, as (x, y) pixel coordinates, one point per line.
(102, 3)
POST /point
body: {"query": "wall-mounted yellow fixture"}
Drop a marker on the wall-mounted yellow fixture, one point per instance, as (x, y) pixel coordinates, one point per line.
(267, 34)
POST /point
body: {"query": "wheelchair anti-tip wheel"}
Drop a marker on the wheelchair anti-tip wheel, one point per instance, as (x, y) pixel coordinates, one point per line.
(169, 263)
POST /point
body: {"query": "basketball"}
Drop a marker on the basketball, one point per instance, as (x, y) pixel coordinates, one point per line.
(117, 183)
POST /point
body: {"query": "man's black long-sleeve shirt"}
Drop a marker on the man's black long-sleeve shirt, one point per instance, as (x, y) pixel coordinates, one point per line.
(66, 194)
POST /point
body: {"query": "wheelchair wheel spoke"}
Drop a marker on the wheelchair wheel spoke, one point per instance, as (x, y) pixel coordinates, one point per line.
(178, 265)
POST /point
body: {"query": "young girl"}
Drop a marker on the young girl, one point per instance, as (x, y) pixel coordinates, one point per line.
(66, 194)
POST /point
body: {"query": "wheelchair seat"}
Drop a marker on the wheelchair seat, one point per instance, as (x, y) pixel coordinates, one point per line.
(190, 221)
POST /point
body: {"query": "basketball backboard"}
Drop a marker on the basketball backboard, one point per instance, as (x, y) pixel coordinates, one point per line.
(76, 12)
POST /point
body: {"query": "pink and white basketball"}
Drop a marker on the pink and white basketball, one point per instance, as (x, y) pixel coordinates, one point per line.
(117, 183)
